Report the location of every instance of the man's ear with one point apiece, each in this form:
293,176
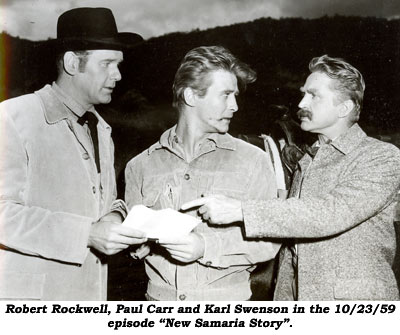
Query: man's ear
190,96
71,63
346,107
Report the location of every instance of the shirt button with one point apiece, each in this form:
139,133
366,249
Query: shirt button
85,156
182,297
208,263
186,176
94,189
97,261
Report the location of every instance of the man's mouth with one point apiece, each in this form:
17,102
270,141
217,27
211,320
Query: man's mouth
304,114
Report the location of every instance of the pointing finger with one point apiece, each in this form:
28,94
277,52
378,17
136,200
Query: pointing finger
195,203
202,210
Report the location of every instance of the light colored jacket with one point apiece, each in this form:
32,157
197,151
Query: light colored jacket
342,221
160,177
48,201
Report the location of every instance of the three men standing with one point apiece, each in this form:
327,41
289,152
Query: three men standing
58,208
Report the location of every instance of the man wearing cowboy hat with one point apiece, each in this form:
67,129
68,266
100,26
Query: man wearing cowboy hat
58,213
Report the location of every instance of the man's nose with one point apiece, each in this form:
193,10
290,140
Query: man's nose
233,104
116,75
303,103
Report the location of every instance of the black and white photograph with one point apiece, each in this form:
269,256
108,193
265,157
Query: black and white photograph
206,153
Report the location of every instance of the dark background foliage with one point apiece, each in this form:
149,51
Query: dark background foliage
279,50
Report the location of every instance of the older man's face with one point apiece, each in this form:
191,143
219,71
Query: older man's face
215,110
320,105
96,82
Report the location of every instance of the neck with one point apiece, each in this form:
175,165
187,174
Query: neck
190,134
68,87
334,132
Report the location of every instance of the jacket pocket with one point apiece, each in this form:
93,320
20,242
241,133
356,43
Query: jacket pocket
150,199
364,289
21,286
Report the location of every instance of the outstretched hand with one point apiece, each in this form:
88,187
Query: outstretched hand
217,209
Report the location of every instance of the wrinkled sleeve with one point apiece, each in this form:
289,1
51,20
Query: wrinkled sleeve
227,246
31,229
120,207
363,191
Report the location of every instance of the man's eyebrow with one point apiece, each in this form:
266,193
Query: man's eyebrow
110,60
231,91
309,90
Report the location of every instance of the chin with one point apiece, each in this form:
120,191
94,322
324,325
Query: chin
305,125
223,130
105,100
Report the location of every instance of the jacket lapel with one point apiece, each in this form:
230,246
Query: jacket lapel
55,111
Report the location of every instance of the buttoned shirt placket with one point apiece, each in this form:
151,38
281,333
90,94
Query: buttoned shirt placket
82,133
183,274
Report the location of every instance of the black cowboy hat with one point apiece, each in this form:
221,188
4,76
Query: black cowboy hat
90,29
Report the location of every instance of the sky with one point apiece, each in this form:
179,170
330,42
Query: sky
37,19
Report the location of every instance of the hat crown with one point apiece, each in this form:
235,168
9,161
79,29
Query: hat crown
88,28
87,23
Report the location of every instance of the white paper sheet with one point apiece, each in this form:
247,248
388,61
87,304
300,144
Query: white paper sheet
160,224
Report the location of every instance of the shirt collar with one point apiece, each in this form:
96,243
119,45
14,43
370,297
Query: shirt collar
59,106
73,106
169,137
350,139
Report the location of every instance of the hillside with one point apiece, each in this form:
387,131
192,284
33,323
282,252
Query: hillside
279,50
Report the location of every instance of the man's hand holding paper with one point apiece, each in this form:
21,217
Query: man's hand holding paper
161,224
170,229
185,249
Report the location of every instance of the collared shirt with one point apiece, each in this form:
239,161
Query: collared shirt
161,177
74,111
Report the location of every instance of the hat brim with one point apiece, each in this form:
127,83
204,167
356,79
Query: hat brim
122,42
